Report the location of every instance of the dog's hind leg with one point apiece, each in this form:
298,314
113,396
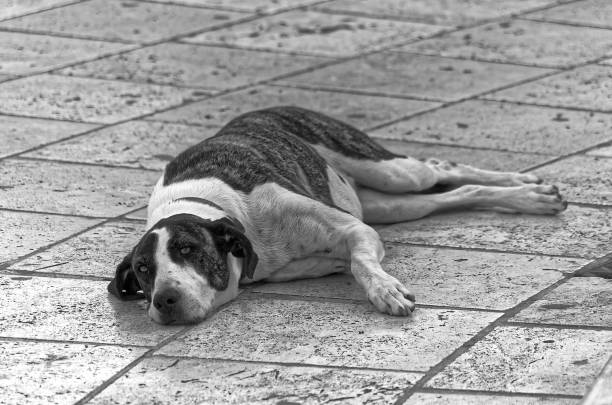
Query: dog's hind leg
529,198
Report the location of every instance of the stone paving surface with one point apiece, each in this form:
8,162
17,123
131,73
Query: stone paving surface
97,96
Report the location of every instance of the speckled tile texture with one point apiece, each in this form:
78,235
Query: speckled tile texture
181,64
97,96
315,33
362,111
408,75
198,381
329,333
522,42
534,360
57,373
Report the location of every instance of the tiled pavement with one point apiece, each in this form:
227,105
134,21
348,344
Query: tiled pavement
97,95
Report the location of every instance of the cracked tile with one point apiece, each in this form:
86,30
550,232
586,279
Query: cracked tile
123,20
447,277
577,232
29,53
12,8
595,13
19,134
93,253
74,189
588,87
329,333
57,373
534,360
169,381
579,301
73,309
520,41
207,67
434,11
360,111
402,74
584,179
25,232
251,6
502,126
481,399
316,33
89,100
138,144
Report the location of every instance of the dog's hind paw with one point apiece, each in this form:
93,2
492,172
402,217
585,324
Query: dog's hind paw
390,296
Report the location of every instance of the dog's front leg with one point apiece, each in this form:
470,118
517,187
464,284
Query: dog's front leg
384,291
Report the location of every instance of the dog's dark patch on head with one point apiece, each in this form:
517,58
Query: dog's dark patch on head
274,145
144,255
204,245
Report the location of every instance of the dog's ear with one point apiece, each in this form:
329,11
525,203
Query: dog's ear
125,285
229,236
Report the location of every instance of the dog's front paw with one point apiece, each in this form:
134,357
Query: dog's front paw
390,296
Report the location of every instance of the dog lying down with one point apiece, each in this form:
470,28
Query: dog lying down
285,193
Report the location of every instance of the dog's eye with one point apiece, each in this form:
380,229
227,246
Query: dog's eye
185,250
142,268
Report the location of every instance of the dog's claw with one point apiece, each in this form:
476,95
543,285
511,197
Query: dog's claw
391,297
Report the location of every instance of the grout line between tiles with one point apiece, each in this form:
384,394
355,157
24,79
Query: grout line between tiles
131,365
24,211
565,22
8,263
36,273
481,335
549,106
428,390
71,342
556,326
249,293
73,162
68,3
567,155
286,364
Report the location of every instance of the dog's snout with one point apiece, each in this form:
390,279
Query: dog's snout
166,300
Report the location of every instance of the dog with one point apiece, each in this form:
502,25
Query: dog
286,193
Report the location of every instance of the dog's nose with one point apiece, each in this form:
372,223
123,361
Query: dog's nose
165,300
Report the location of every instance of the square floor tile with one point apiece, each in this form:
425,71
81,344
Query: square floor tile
89,100
520,41
503,126
329,333
403,74
583,179
139,144
24,232
588,87
251,6
15,8
534,360
579,301
57,373
595,13
433,11
317,33
357,110
165,380
577,232
28,53
19,133
94,253
73,189
207,67
79,310
482,158
457,278
482,399
125,20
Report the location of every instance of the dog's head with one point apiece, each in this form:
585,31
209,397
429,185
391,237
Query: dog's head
185,267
